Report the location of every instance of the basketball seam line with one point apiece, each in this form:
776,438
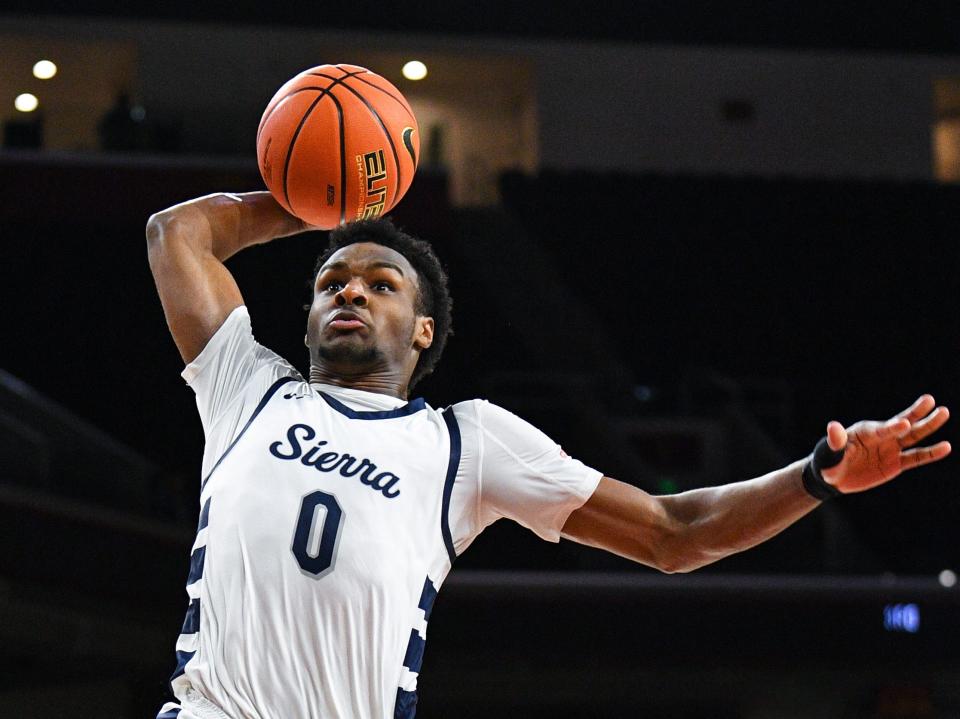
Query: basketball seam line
389,94
343,161
343,169
293,140
273,109
386,133
280,102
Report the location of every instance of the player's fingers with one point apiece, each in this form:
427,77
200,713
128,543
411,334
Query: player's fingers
891,428
870,432
919,409
836,436
924,455
925,427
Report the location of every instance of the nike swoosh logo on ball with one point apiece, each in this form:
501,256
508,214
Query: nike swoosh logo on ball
408,143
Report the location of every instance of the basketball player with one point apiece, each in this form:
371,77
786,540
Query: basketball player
332,507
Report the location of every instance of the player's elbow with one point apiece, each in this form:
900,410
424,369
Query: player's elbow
672,567
681,565
676,562
160,226
170,233
184,222
663,549
681,554
676,548
685,551
156,227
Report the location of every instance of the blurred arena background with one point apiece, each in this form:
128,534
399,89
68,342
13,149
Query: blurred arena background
680,238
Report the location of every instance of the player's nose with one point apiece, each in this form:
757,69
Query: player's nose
352,294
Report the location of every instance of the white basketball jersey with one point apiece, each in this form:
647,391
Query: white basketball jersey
322,542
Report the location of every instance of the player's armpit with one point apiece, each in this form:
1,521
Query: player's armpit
626,521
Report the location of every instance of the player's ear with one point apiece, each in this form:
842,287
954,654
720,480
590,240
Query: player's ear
423,336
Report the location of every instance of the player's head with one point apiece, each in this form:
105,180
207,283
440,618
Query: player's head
380,299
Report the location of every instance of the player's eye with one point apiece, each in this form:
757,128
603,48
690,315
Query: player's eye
334,286
383,286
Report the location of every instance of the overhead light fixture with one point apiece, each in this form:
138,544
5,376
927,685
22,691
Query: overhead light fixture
414,70
44,70
26,102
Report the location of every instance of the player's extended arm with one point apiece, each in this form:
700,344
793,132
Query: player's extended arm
187,244
682,532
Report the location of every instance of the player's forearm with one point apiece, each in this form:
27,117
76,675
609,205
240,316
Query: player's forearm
223,224
715,522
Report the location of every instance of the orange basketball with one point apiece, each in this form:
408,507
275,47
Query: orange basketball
338,143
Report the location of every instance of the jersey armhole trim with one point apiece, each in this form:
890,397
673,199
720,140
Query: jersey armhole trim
454,429
263,403
474,418
481,448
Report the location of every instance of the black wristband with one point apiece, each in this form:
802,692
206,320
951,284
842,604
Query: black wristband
813,481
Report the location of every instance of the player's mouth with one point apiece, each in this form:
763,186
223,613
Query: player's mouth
344,320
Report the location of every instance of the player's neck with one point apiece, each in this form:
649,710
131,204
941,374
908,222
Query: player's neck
379,382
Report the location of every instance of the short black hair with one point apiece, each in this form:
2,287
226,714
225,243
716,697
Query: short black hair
433,295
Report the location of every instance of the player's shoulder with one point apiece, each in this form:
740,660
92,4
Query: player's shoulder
484,413
239,344
466,409
234,368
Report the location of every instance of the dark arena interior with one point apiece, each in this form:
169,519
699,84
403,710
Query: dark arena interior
680,240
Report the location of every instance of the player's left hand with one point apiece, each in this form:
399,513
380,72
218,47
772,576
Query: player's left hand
876,452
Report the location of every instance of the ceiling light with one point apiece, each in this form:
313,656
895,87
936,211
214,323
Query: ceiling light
26,102
44,70
414,70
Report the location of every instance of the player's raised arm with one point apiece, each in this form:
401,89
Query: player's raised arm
682,532
187,244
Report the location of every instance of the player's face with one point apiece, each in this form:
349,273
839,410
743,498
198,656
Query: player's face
363,316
